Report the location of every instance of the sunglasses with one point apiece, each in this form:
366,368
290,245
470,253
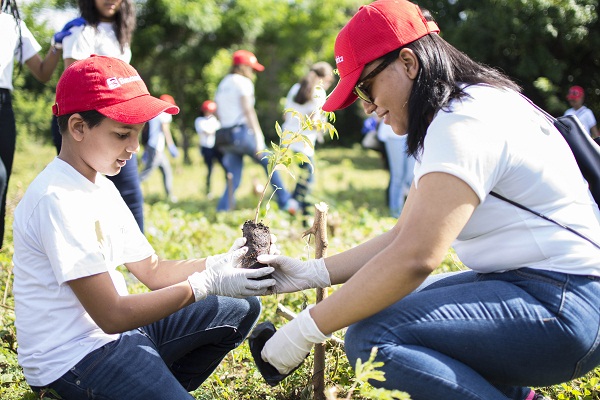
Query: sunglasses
362,87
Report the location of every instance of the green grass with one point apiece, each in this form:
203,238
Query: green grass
351,181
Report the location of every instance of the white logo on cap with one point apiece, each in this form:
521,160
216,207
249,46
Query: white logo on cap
339,59
115,82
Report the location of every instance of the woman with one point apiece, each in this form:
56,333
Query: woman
307,97
528,311
17,42
108,32
235,108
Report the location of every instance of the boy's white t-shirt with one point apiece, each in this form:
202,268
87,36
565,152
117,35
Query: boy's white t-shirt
102,40
292,123
496,141
206,128
229,95
10,50
585,115
65,228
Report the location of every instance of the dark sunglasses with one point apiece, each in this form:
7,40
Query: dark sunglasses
362,87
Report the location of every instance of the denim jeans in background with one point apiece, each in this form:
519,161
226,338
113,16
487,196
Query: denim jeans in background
128,183
8,140
157,159
485,336
234,163
401,173
164,360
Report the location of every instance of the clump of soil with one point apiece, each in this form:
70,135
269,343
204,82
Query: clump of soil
258,240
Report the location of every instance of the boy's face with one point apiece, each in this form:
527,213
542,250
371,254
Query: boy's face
107,147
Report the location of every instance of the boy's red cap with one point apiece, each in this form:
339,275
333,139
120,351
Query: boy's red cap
109,86
375,30
209,105
575,93
244,57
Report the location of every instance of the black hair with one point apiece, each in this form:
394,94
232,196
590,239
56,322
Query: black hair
442,68
91,117
307,85
10,7
125,19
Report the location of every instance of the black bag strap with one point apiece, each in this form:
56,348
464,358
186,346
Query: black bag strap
522,207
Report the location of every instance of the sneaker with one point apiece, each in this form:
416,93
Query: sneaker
292,206
540,397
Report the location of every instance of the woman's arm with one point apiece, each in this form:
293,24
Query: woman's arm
437,212
43,69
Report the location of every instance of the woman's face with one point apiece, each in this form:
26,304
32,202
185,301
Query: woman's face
108,9
390,90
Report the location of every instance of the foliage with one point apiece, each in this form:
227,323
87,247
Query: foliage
281,157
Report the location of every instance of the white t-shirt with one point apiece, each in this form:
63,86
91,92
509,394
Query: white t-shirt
156,136
585,115
10,50
206,128
497,141
229,95
292,123
65,228
86,40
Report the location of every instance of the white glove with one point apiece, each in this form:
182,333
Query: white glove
219,261
290,345
226,279
293,275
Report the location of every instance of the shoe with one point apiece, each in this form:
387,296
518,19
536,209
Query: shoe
292,206
540,397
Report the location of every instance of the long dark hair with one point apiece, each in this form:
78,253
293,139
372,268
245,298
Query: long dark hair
307,85
10,7
124,23
442,68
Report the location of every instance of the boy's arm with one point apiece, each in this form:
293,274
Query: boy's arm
156,273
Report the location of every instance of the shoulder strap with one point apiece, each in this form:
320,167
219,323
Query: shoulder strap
522,207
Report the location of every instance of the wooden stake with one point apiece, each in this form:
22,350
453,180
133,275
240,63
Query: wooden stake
319,230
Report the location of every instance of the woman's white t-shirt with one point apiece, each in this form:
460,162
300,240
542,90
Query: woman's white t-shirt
102,40
229,95
66,228
495,140
10,49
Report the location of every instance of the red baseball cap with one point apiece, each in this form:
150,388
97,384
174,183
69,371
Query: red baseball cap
375,30
244,57
209,105
575,93
168,98
109,86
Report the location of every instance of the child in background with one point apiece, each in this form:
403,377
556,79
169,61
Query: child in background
79,331
206,125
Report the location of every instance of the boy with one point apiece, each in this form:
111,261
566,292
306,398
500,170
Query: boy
79,331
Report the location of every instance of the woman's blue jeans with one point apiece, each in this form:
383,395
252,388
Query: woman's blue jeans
233,164
401,173
485,336
164,360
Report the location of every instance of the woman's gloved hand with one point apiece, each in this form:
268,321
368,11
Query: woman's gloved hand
292,275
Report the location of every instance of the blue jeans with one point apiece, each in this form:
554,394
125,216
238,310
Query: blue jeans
164,360
485,336
304,184
233,164
401,173
128,183
8,140
157,159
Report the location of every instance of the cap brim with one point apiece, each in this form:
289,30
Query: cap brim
258,67
138,110
343,94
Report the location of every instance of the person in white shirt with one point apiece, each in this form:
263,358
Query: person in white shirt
526,314
576,98
206,125
80,332
18,44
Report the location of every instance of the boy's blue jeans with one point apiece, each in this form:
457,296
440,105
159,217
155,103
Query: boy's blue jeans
164,360
485,336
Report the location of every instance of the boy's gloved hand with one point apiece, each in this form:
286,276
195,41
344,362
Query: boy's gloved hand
226,279
290,345
216,261
59,36
292,275
173,151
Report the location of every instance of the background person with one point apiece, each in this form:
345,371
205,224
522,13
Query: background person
576,98
206,125
528,311
235,106
159,137
78,329
17,44
307,97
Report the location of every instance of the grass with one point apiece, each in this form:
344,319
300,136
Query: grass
351,181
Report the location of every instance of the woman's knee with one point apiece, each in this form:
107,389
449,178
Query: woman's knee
359,342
